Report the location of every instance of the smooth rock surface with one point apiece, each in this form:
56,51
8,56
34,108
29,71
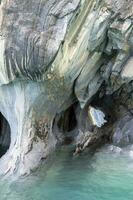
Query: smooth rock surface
124,131
54,53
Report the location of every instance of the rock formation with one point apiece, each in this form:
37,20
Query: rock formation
57,57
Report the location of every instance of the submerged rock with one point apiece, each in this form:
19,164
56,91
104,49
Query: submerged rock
131,154
115,149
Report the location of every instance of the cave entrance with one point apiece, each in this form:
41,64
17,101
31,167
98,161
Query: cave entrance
67,121
5,135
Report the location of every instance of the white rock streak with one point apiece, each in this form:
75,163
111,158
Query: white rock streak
97,117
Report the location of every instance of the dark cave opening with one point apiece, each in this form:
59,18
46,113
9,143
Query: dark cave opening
68,121
105,102
5,135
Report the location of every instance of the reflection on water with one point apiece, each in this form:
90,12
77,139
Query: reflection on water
108,175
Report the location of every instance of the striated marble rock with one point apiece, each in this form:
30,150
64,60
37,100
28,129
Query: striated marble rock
53,54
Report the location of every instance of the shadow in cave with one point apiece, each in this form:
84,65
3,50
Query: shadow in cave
67,121
67,124
5,134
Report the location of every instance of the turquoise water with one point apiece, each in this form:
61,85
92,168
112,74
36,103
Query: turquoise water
104,176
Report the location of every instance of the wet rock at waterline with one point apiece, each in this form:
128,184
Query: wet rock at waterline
57,58
123,134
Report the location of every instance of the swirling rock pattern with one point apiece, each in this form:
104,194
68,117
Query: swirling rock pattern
53,53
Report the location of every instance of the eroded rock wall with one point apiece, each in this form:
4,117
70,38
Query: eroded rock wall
54,53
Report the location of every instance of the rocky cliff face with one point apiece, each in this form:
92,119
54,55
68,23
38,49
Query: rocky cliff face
57,57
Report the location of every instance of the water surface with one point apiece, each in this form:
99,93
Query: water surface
105,176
